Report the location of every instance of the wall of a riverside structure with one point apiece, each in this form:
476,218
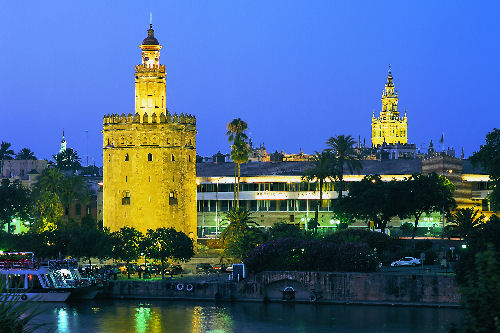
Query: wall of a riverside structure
322,287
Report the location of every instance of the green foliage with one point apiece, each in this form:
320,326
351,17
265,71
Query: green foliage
238,220
6,153
25,154
370,199
344,154
240,245
482,292
286,230
163,243
423,194
374,239
90,170
315,254
465,220
343,226
15,202
489,158
47,210
236,132
17,316
126,244
68,159
407,229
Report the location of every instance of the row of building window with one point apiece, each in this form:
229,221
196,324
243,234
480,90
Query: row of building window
264,205
277,186
150,158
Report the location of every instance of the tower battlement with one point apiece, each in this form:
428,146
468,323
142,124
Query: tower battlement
156,118
145,68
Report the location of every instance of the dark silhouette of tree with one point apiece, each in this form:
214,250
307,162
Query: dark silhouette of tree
239,150
163,243
489,158
25,154
320,169
466,220
126,245
342,148
68,160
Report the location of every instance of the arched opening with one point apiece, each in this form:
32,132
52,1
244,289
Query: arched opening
150,157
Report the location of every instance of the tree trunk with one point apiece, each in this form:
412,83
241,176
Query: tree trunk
238,189
417,217
128,269
162,270
234,189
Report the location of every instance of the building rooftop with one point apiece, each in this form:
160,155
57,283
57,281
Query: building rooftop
370,167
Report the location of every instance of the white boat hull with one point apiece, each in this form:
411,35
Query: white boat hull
51,296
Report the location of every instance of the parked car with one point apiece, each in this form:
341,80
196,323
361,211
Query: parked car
204,268
173,270
406,261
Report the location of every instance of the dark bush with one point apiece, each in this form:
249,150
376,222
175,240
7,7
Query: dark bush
286,230
375,240
406,229
343,226
312,255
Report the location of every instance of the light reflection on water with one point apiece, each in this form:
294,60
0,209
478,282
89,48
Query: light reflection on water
168,316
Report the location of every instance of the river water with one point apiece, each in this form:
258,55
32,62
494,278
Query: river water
175,316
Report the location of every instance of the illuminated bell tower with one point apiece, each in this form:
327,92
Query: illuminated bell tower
149,156
389,127
150,81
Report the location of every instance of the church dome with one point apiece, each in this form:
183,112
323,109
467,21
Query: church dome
150,40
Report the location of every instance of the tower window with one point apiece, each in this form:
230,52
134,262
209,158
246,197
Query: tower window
189,158
126,157
126,198
109,157
173,158
172,200
126,178
150,157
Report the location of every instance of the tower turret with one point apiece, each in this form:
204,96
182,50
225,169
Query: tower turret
150,79
389,128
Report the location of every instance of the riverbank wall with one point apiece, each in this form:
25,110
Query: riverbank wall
290,286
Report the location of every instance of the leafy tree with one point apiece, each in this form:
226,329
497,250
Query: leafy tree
86,242
163,243
370,199
14,202
489,158
47,210
320,169
126,245
286,230
424,194
67,159
481,293
241,244
466,219
73,188
342,148
239,148
25,154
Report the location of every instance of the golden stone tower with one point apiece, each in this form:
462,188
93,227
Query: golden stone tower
149,158
389,127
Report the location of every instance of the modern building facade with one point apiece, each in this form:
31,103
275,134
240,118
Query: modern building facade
149,158
274,192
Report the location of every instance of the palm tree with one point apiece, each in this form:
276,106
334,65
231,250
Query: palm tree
67,159
50,180
5,153
73,188
466,220
321,168
238,221
236,134
25,154
342,148
239,155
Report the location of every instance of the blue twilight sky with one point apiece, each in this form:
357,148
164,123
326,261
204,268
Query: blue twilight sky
297,71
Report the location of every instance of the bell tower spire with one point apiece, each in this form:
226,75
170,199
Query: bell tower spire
150,80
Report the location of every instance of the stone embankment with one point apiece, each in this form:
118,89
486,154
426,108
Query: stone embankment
320,287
